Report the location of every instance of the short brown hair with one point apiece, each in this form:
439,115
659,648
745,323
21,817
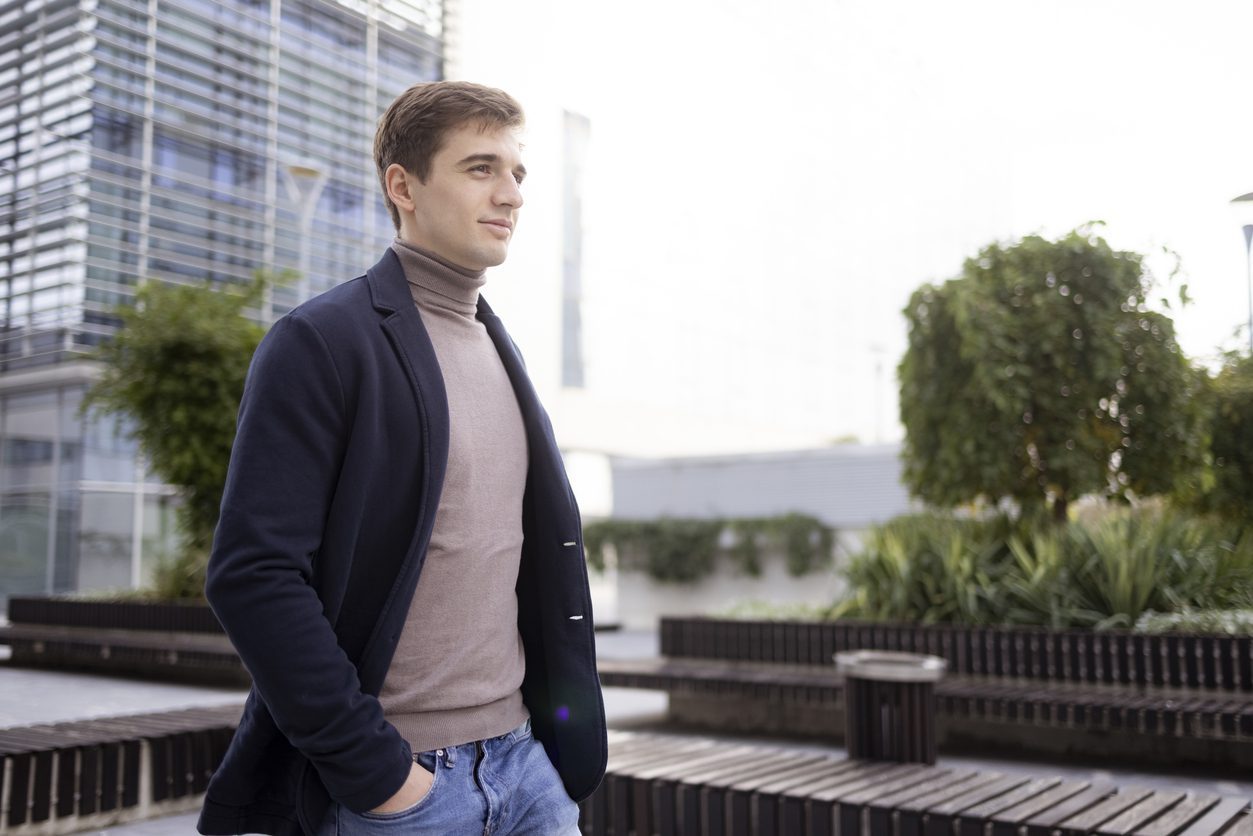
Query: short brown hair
412,130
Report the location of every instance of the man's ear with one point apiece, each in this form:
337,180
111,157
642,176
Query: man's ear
398,187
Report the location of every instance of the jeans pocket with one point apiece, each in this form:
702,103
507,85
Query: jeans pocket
431,764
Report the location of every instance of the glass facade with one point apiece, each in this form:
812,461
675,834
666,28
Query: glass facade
161,140
76,511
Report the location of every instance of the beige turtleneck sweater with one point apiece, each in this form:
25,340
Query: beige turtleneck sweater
458,667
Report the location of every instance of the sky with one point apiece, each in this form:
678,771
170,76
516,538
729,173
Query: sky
768,183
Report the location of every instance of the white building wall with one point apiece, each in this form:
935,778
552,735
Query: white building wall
658,372
849,487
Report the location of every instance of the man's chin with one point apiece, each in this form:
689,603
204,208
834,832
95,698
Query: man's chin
494,259
479,260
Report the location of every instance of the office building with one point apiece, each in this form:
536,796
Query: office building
177,140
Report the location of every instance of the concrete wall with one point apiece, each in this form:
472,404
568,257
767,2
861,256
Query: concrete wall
640,601
850,487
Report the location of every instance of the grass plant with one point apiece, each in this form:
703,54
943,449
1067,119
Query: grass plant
1105,570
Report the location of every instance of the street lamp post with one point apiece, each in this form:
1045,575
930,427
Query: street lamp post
1248,267
1246,201
304,186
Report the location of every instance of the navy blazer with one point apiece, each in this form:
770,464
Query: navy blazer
334,480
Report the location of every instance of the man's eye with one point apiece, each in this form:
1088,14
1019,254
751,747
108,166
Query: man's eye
519,178
485,168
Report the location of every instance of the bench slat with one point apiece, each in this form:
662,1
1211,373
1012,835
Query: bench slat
1092,818
19,786
1219,817
664,792
823,807
910,814
853,809
741,794
1179,816
620,800
110,773
1030,789
1141,814
67,788
941,820
704,791
129,786
794,803
880,811
41,793
89,780
159,750
1008,821
641,791
766,807
1243,827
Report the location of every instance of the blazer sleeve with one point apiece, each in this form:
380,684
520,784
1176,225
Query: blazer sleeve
290,438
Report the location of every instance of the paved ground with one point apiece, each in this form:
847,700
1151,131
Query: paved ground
37,696
31,696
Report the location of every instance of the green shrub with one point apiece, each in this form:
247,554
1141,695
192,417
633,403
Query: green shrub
930,568
685,550
1228,488
1160,561
1040,587
805,542
1102,572
1220,622
770,611
176,368
179,576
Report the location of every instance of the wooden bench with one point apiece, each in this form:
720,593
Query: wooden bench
169,642
1219,663
673,785
67,777
1092,708
169,657
1008,688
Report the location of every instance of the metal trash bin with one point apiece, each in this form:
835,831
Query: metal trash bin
889,704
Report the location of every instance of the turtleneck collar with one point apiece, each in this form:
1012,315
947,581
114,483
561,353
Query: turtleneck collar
437,281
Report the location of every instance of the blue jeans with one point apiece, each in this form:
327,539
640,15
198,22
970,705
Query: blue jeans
502,785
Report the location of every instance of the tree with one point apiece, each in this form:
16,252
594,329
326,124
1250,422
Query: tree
1229,490
176,368
1040,375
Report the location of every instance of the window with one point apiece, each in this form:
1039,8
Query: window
322,26
117,132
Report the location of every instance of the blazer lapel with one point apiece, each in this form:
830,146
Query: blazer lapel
515,367
539,430
409,339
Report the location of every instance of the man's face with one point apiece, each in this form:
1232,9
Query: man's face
466,210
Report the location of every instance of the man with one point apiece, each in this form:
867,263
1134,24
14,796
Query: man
399,559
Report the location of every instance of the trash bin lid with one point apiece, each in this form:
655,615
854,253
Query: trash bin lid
891,666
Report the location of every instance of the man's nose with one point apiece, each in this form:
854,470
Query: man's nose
509,193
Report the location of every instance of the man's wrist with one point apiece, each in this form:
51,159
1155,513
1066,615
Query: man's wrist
417,784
